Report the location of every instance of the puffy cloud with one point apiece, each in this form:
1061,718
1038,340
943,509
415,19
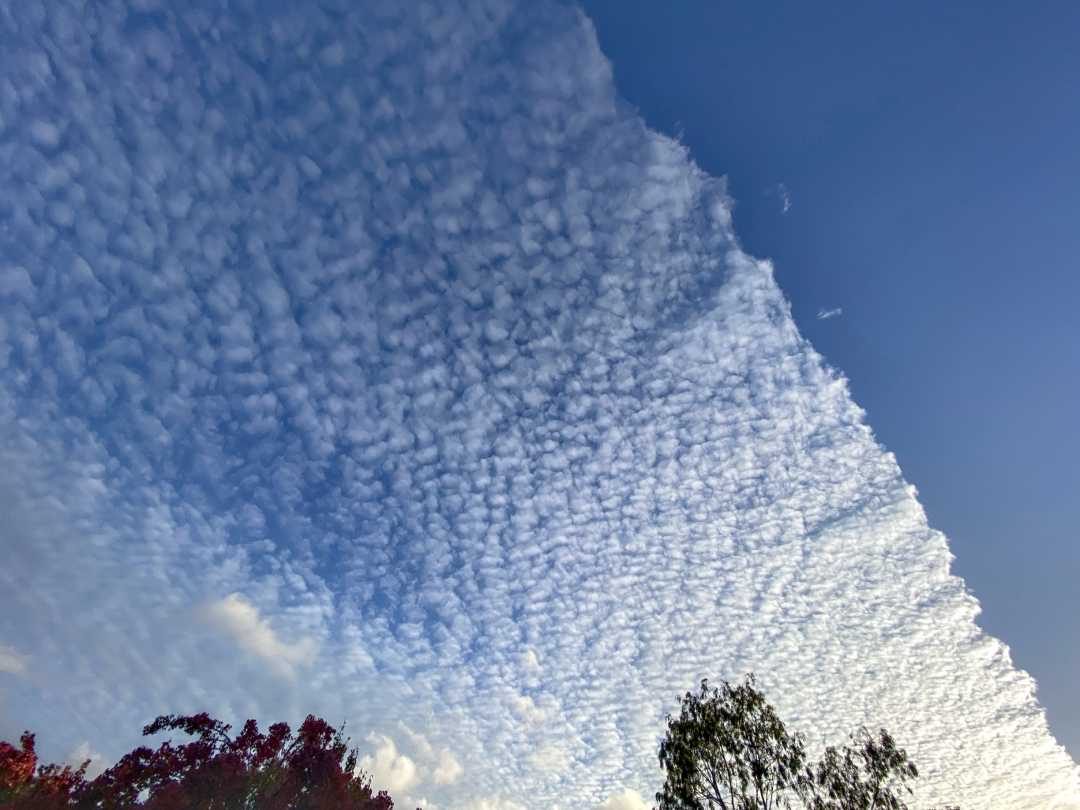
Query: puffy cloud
240,619
550,759
625,800
84,753
388,768
493,803
530,662
401,326
527,710
447,770
444,767
12,661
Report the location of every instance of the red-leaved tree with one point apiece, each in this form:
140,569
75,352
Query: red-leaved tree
25,784
313,769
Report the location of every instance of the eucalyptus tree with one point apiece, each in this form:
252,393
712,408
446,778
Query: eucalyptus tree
728,749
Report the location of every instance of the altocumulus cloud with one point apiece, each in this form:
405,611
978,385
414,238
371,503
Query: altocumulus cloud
393,321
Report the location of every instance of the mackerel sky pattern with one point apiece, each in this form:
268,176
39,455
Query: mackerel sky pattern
374,359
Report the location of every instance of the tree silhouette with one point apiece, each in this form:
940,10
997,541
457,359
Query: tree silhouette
313,769
729,750
873,775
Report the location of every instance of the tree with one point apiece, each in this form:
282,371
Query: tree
25,784
729,750
311,770
871,776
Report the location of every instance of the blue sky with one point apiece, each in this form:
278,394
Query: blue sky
929,156
386,365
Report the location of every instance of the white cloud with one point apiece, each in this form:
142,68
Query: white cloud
493,803
825,314
388,768
420,743
550,759
625,800
785,197
444,767
448,770
12,661
782,194
83,752
527,710
241,621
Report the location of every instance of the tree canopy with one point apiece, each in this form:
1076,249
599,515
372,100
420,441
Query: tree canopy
729,750
313,769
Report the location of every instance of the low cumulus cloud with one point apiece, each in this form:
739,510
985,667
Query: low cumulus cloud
83,754
388,768
447,770
443,767
625,800
240,620
400,336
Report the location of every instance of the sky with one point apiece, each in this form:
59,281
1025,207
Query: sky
927,155
385,364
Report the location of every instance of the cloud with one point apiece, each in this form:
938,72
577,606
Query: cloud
527,710
783,194
400,329
493,803
825,314
82,753
625,800
550,759
240,620
444,767
448,770
389,769
12,661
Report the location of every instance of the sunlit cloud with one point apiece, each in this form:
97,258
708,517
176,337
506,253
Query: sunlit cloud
388,768
84,754
240,620
625,800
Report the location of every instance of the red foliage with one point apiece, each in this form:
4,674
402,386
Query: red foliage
311,770
28,786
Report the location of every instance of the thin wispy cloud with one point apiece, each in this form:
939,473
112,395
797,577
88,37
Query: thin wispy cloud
782,194
393,338
825,314
12,661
